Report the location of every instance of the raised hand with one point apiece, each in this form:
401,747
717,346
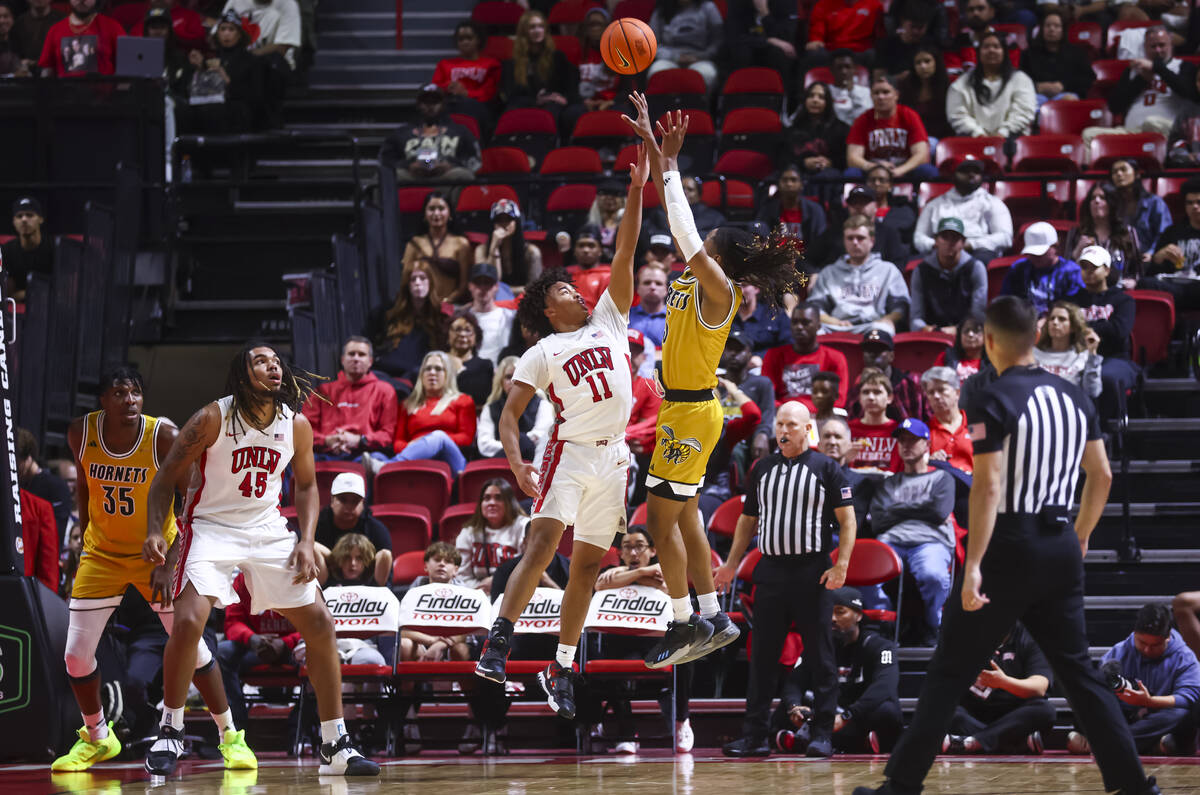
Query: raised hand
639,171
641,126
673,133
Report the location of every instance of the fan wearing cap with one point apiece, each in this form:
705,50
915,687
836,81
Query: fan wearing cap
1109,312
878,351
347,513
643,418
949,283
868,719
187,24
517,261
1042,276
590,276
860,291
434,148
660,250
986,222
30,251
791,368
494,321
889,243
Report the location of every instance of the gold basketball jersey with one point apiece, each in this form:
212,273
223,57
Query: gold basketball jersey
691,348
119,490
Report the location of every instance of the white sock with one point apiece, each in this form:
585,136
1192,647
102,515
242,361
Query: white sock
172,718
565,656
682,607
96,726
708,604
331,730
224,722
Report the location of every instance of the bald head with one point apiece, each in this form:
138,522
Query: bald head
792,422
835,440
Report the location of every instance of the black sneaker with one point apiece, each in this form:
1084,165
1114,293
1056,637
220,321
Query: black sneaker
162,762
343,759
559,684
820,747
494,658
724,633
747,746
680,639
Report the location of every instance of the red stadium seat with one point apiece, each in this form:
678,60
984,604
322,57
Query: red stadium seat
874,563
752,86
989,149
503,160
423,483
1107,72
850,346
639,516
1026,203
759,129
408,566
931,190
530,129
625,159
915,351
1072,116
1015,35
469,122
602,129
476,473
1089,35
638,9
997,270
822,74
497,16
724,519
408,525
475,204
568,206
1048,152
570,12
1113,36
570,46
411,200
499,47
744,163
1170,190
701,143
573,160
1152,325
453,520
1148,149
672,89
908,270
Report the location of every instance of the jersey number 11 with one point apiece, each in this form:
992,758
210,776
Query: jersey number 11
596,393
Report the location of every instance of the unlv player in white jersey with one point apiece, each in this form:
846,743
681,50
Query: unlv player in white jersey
240,446
582,363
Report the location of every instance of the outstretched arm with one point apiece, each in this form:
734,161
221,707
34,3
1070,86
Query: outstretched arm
620,287
197,435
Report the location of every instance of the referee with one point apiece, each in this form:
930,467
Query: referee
1030,431
792,498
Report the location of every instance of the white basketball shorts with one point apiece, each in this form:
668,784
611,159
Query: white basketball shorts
584,484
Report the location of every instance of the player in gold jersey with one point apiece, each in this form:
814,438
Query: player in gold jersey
700,308
117,450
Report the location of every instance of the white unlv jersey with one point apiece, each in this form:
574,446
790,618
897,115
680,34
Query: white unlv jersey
586,374
236,482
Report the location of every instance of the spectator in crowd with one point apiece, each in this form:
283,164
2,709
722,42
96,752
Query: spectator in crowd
1042,276
462,343
10,59
894,55
850,99
987,224
1146,215
878,352
890,134
791,368
351,562
517,261
890,209
588,274
441,567
707,218
440,242
860,290
1153,91
1067,348
660,249
1100,225
690,34
649,315
280,36
31,28
761,326
736,361
992,97
1157,677
1176,263
817,141
405,330
599,86
534,425
42,482
40,536
1183,143
910,512
186,24
471,79
65,468
872,431
436,421
868,718
83,43
826,386
949,438
605,213
251,640
833,25
889,243
1109,313
1059,69
763,34
30,251
966,355
495,322
978,18
643,417
72,551
223,93
348,514
835,442
492,535
356,412
1006,711
539,75
948,283
924,89
434,148
801,217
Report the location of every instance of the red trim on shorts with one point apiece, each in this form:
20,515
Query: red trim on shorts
549,466
185,528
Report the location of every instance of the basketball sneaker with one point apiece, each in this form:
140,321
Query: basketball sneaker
164,755
685,738
680,638
341,758
236,753
559,683
1078,744
494,658
85,753
724,633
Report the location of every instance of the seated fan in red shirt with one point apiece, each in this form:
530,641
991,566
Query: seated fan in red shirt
471,79
890,134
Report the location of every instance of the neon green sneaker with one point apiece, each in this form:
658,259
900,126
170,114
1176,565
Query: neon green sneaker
85,753
238,755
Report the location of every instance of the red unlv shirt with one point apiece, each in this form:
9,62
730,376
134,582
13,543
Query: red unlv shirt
889,139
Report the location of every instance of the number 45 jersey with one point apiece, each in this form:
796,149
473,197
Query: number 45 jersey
586,373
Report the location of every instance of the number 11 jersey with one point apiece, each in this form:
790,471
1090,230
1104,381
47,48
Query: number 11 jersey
586,374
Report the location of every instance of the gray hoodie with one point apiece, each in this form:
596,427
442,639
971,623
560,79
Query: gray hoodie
860,293
914,509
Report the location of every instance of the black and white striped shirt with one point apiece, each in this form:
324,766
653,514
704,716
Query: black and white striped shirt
1041,423
794,500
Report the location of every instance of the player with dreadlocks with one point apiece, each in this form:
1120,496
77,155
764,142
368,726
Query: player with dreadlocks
240,446
701,305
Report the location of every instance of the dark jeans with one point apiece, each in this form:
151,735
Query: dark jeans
1149,730
1117,376
1001,730
885,720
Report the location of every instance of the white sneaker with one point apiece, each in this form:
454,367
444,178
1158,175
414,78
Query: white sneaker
684,737
626,748
341,758
1078,744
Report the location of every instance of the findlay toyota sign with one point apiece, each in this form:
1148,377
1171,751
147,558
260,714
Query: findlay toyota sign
363,609
634,610
542,614
446,609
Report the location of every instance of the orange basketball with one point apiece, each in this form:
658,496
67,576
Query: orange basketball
628,46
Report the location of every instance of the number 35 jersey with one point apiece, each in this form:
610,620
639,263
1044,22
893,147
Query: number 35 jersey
237,481
118,487
586,374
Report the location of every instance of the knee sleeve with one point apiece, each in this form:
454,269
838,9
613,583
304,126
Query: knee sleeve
204,655
83,636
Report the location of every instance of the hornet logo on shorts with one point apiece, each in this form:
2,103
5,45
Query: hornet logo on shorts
676,451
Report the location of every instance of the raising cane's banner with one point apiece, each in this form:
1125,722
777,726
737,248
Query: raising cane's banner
543,613
632,610
362,610
439,609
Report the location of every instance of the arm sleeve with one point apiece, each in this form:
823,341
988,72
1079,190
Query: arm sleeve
464,410
1022,108
883,672
959,108
999,224
916,317
384,429
923,231
485,436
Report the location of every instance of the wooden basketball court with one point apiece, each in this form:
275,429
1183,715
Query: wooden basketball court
656,772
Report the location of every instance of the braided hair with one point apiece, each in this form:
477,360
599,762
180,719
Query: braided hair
124,373
531,312
768,263
294,388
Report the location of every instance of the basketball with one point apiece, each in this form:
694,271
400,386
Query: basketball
628,46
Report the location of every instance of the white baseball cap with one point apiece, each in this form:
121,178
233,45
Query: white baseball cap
349,483
1039,237
1097,256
